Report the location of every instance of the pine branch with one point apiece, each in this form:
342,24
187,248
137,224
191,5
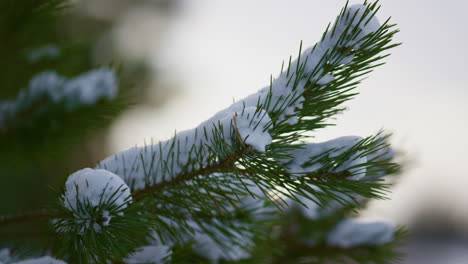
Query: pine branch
227,164
24,217
236,176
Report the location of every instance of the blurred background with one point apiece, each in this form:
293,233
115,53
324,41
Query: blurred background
191,58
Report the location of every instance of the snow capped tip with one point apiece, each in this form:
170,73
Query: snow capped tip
369,23
361,232
95,187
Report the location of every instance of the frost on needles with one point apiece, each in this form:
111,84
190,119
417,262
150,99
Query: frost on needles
245,177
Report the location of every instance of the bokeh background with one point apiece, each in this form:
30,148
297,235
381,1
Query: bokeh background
194,57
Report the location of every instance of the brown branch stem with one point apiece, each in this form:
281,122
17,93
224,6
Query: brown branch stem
226,164
24,217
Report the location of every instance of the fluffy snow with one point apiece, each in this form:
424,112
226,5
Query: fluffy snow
85,89
354,15
251,128
95,187
151,164
140,166
359,232
332,148
41,260
44,84
88,88
149,254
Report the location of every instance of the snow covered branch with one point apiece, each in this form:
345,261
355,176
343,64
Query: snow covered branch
48,90
218,189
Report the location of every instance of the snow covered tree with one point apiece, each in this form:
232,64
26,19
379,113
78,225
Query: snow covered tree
248,185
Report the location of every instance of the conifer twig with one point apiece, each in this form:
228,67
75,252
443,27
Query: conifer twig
25,217
226,164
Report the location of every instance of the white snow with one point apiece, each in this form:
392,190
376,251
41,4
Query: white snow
149,254
95,187
354,15
88,88
44,84
361,232
139,166
332,148
85,89
41,260
251,126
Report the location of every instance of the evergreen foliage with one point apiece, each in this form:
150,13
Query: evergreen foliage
245,186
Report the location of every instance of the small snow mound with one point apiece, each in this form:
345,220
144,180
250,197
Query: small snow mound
95,187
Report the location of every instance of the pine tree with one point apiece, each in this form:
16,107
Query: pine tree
248,185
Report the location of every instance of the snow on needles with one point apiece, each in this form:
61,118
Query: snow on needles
95,188
150,254
359,232
49,88
308,159
88,88
355,16
167,159
246,122
85,89
190,149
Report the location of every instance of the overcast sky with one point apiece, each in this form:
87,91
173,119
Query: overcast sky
220,50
